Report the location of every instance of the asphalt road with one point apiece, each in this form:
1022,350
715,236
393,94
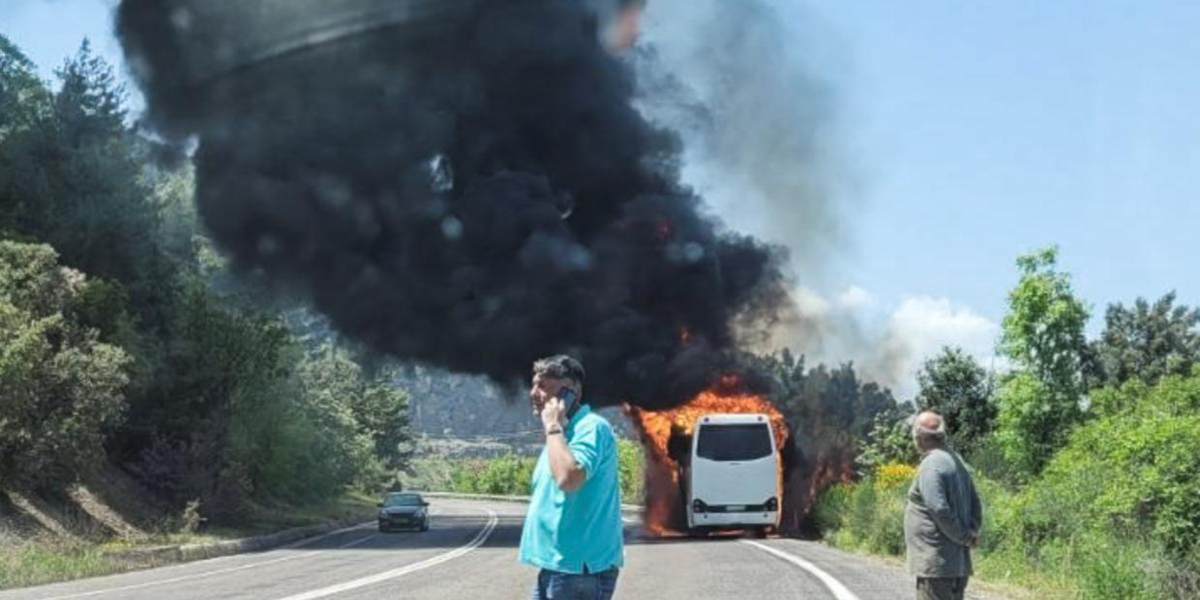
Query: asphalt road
470,552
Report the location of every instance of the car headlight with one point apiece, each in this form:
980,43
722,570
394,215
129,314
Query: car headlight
699,506
773,504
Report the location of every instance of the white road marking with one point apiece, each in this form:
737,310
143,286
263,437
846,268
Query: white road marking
834,586
157,582
475,542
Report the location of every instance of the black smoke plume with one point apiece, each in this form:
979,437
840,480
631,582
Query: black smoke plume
462,183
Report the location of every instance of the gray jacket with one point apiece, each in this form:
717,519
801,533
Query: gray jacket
943,507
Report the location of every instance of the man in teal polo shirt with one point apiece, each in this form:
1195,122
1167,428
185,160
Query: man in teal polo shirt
573,531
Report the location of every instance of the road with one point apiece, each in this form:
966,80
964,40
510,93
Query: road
470,552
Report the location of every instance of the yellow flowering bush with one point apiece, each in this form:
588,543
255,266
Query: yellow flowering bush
892,475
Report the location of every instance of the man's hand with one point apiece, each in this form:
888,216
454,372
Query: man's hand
567,472
973,539
554,415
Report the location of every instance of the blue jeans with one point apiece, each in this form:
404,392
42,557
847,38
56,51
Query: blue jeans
552,585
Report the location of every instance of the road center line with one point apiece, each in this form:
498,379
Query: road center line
253,565
475,542
834,586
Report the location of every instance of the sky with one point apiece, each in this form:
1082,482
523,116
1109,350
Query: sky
978,131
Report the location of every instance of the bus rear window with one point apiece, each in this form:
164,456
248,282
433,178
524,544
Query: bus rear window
734,442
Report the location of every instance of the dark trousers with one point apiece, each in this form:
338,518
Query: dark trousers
552,585
941,588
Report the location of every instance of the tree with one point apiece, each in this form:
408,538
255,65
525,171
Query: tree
890,441
1043,337
366,418
955,386
215,395
382,413
834,402
1147,342
72,175
61,390
22,94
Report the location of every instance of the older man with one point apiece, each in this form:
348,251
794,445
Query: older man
943,517
573,531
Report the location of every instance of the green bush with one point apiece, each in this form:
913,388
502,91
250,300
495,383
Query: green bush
831,508
61,390
505,475
1111,568
1137,470
631,462
868,515
1117,510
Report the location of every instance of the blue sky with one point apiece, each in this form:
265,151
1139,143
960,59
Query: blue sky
993,128
980,131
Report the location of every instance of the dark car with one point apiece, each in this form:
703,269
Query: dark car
403,511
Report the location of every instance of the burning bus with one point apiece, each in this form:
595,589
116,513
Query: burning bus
713,463
730,478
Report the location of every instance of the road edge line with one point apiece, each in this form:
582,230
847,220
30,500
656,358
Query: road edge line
835,587
478,540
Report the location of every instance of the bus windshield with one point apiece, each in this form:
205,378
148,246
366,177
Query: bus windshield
725,443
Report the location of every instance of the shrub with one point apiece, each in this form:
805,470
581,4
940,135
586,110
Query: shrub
894,475
61,390
868,515
890,441
631,459
832,507
505,475
1113,569
1116,511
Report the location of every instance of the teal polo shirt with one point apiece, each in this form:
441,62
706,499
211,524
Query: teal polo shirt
570,532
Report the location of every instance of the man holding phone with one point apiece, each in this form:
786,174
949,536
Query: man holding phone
573,530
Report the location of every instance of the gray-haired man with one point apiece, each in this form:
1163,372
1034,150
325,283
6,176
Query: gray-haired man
943,516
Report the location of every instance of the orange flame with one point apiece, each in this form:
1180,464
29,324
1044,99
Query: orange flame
663,501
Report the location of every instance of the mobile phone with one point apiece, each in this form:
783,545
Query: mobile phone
570,399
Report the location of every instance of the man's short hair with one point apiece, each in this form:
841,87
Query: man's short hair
937,435
560,366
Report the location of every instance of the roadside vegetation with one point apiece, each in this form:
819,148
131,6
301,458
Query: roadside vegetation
1085,453
126,348
47,558
512,475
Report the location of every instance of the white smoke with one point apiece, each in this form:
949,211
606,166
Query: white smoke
888,344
